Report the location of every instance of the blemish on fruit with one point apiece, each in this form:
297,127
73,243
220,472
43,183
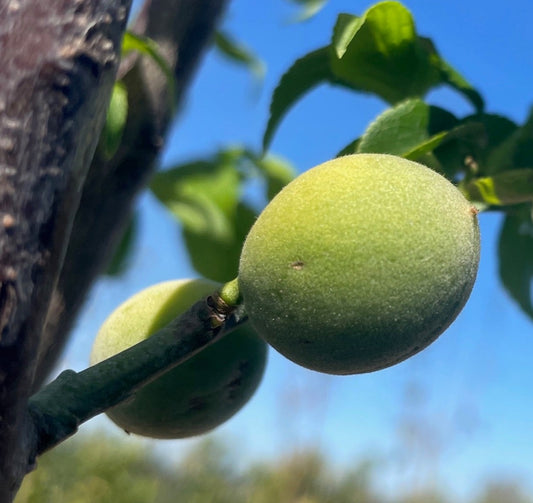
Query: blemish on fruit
298,265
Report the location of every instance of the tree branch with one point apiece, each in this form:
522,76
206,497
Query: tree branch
60,407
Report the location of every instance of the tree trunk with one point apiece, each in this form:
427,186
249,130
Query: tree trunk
58,62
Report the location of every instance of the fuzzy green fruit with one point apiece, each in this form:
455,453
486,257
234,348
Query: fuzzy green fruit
359,263
201,393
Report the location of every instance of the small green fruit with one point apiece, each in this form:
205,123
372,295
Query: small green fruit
201,393
359,263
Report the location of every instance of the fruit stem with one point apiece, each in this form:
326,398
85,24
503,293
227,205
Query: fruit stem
230,293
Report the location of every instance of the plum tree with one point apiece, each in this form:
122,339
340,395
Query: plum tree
373,270
200,393
359,263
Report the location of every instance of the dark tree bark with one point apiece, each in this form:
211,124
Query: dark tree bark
182,30
58,61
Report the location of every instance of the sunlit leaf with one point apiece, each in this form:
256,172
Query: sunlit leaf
304,74
117,113
409,129
516,258
380,52
238,53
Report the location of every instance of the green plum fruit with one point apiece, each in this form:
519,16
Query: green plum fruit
197,395
359,263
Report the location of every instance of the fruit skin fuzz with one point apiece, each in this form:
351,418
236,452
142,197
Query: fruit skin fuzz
359,263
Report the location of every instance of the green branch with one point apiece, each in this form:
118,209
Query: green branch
73,398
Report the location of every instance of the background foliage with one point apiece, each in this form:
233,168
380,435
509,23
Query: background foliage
97,468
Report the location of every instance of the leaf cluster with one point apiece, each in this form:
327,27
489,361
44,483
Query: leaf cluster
488,156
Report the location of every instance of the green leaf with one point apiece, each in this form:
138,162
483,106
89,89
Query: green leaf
378,52
516,258
502,189
458,152
205,197
381,53
122,256
277,173
238,53
455,80
144,45
515,148
306,73
351,148
117,113
308,9
218,259
410,129
424,133
202,195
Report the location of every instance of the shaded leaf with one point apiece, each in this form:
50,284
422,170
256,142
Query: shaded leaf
515,251
238,53
304,74
515,148
148,47
453,78
122,256
117,113
218,259
502,189
459,150
426,146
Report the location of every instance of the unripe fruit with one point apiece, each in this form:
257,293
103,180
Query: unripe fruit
199,394
359,263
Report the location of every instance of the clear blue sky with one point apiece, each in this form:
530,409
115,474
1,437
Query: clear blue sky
455,415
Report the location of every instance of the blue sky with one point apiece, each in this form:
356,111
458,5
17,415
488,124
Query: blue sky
455,415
